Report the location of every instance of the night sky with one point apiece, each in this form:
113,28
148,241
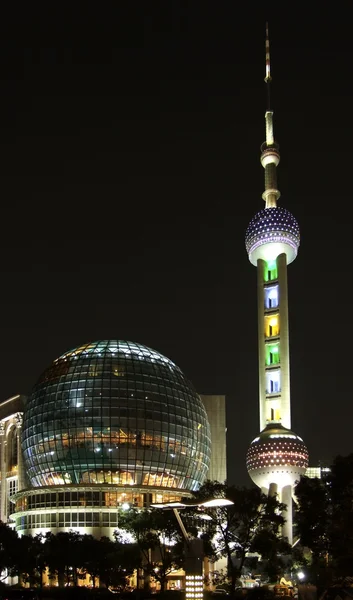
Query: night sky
129,147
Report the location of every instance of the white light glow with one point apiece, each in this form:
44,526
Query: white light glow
269,248
217,502
126,537
280,435
204,517
168,505
193,587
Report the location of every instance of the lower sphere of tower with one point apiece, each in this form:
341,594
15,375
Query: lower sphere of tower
277,456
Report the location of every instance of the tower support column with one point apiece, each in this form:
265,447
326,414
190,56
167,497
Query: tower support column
287,529
261,344
283,318
273,489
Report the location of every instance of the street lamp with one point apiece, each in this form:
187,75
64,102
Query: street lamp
193,546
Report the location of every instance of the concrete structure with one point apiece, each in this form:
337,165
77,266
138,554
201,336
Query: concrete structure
106,424
216,412
277,457
11,463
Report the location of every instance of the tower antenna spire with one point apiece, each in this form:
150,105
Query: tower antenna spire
270,149
268,77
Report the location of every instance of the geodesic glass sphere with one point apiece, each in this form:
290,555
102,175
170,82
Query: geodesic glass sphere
119,413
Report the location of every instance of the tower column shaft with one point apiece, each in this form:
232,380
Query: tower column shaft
261,342
273,489
284,340
286,498
271,180
269,127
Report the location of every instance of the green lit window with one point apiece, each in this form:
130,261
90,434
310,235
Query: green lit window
272,354
270,270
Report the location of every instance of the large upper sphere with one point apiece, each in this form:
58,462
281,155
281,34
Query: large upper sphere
271,232
119,413
277,455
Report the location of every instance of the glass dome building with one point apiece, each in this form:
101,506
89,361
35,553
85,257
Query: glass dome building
107,423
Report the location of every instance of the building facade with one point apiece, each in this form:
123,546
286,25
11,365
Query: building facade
277,457
11,463
317,472
215,406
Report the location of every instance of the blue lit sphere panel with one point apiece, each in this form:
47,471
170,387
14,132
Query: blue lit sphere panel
274,224
115,412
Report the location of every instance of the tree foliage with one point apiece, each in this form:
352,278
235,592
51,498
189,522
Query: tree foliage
324,517
250,525
8,550
68,556
157,534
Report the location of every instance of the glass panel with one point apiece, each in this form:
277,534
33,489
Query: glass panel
115,413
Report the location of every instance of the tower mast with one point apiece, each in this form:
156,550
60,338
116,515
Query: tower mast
277,457
270,156
268,68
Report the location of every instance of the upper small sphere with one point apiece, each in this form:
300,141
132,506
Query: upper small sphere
277,455
271,232
115,412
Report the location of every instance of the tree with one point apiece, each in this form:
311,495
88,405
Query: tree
156,532
251,524
324,517
311,517
31,559
64,557
111,562
8,550
93,554
120,561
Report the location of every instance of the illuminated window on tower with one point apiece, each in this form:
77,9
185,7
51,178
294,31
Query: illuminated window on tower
272,354
273,381
270,272
271,296
271,325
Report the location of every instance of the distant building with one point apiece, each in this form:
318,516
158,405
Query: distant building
216,412
316,472
11,472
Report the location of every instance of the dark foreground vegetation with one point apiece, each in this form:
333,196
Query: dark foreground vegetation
103,594
251,525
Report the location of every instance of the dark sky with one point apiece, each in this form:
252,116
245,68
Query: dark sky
129,148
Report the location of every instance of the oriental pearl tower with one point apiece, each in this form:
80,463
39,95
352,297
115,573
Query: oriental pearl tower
277,457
